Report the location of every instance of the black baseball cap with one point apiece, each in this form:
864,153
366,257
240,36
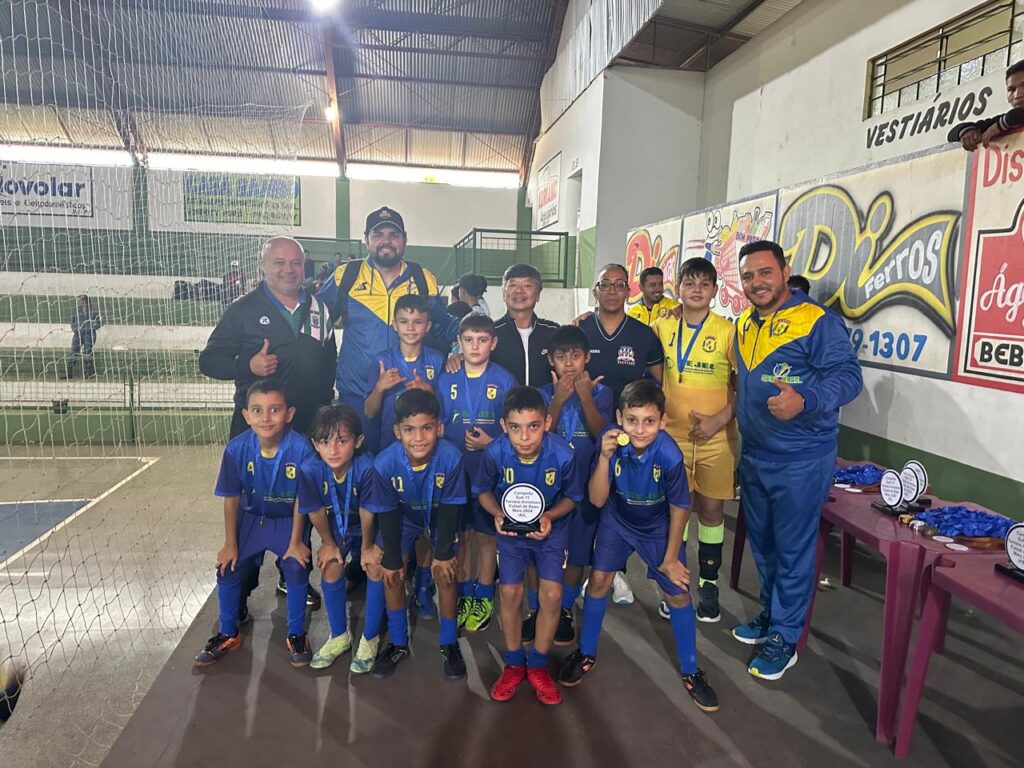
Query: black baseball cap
382,216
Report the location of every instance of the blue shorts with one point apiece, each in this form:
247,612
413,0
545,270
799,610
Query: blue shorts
480,520
582,529
255,539
410,533
353,538
615,543
548,555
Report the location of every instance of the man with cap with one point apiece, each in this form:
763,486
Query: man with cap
362,295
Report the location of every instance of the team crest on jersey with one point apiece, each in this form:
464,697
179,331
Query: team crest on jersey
781,370
549,477
430,372
710,344
492,391
289,471
656,472
626,356
314,321
778,328
439,480
264,320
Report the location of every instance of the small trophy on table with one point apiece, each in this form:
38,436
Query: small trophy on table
1015,552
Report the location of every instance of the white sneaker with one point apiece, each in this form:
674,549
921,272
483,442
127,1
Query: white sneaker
621,592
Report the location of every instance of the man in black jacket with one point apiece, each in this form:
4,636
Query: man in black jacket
279,330
972,135
522,336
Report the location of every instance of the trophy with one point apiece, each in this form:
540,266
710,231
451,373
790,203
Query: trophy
902,491
522,505
1015,552
891,488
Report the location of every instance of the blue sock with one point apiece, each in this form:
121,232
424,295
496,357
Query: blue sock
422,578
684,627
537,660
516,658
398,626
467,588
229,596
296,605
334,602
532,600
449,631
569,595
485,591
593,616
374,608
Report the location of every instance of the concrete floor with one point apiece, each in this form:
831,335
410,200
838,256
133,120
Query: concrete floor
110,611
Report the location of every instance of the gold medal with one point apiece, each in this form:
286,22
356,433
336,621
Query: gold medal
622,439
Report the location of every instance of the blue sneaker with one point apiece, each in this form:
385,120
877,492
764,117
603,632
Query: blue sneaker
753,632
775,657
425,604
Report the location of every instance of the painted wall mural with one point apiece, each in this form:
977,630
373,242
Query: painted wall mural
656,245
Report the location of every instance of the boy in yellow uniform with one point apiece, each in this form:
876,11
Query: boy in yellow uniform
699,363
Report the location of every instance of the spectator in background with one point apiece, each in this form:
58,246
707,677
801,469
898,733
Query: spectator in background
459,309
653,302
801,283
233,283
471,290
85,322
972,135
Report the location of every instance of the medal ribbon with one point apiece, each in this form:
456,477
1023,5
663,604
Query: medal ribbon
342,519
683,357
264,490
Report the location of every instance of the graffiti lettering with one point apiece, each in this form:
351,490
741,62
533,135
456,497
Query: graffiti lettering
1000,296
827,240
1002,166
641,253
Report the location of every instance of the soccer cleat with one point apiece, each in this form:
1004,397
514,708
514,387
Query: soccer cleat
707,606
774,658
366,653
387,661
622,593
754,632
540,680
506,685
530,627
463,610
700,691
565,634
425,604
663,610
454,666
331,650
299,652
313,599
480,614
216,648
574,668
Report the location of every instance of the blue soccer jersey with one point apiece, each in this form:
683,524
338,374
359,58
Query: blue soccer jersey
572,426
319,489
473,401
429,365
643,487
267,485
553,472
416,490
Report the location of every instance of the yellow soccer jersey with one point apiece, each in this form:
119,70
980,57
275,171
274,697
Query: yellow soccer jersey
704,386
659,310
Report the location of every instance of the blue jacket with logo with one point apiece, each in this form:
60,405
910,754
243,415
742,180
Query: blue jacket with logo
806,345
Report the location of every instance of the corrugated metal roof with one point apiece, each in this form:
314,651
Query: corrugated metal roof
764,15
707,13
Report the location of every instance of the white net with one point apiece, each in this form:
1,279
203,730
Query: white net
110,435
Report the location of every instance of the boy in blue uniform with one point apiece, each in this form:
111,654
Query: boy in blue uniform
528,455
639,481
471,399
580,408
423,489
337,492
259,482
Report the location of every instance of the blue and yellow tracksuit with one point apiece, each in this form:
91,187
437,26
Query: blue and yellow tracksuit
786,466
368,331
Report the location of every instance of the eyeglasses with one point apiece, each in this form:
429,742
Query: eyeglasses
612,285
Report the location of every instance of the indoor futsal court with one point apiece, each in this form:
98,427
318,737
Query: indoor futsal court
340,292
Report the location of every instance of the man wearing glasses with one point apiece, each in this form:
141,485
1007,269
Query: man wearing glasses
622,348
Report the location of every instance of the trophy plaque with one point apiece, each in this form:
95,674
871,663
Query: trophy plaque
522,504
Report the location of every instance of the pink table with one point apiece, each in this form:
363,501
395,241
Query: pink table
974,580
909,558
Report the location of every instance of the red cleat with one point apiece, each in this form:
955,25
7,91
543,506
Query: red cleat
541,682
505,688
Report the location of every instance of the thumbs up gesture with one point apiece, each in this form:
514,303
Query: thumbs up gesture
787,404
417,382
263,363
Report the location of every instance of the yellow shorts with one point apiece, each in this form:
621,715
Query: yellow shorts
713,475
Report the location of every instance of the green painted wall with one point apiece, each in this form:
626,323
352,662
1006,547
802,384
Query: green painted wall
587,243
949,479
